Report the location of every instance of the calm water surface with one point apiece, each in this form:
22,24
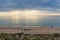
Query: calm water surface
44,21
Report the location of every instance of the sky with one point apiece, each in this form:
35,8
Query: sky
30,11
45,5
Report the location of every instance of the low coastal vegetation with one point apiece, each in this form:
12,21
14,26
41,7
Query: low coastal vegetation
22,36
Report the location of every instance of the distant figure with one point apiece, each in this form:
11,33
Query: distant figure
51,26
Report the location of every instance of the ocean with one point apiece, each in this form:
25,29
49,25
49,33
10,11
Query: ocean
42,21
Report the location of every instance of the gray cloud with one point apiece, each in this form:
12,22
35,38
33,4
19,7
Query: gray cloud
51,5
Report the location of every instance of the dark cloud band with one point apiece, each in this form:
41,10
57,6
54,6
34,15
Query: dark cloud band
29,4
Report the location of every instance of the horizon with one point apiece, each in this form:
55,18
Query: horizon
30,12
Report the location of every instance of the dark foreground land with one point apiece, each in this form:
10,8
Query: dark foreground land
22,36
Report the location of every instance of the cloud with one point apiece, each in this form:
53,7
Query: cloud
45,1
49,5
